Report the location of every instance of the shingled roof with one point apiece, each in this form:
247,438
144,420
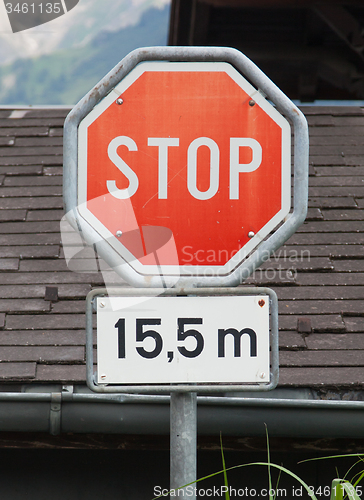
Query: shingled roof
318,275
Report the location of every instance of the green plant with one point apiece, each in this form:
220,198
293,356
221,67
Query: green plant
340,489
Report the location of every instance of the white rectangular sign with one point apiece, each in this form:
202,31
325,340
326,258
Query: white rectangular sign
162,340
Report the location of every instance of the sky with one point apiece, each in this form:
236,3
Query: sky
74,28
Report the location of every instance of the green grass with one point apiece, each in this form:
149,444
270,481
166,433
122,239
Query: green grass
340,488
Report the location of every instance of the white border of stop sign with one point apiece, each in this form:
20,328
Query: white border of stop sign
163,144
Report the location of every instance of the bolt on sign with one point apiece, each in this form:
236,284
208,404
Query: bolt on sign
183,168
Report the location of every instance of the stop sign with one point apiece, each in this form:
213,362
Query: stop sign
184,165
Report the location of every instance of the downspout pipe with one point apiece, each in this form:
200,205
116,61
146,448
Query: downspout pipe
58,412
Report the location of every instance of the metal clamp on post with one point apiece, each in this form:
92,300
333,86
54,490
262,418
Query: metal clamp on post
55,414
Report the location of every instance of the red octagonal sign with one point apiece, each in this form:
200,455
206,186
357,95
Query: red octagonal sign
184,167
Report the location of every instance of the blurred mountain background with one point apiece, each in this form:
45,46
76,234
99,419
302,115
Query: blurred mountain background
59,62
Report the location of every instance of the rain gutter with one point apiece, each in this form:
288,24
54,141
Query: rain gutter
62,410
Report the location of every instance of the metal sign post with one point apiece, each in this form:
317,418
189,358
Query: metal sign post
183,440
222,152
127,318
